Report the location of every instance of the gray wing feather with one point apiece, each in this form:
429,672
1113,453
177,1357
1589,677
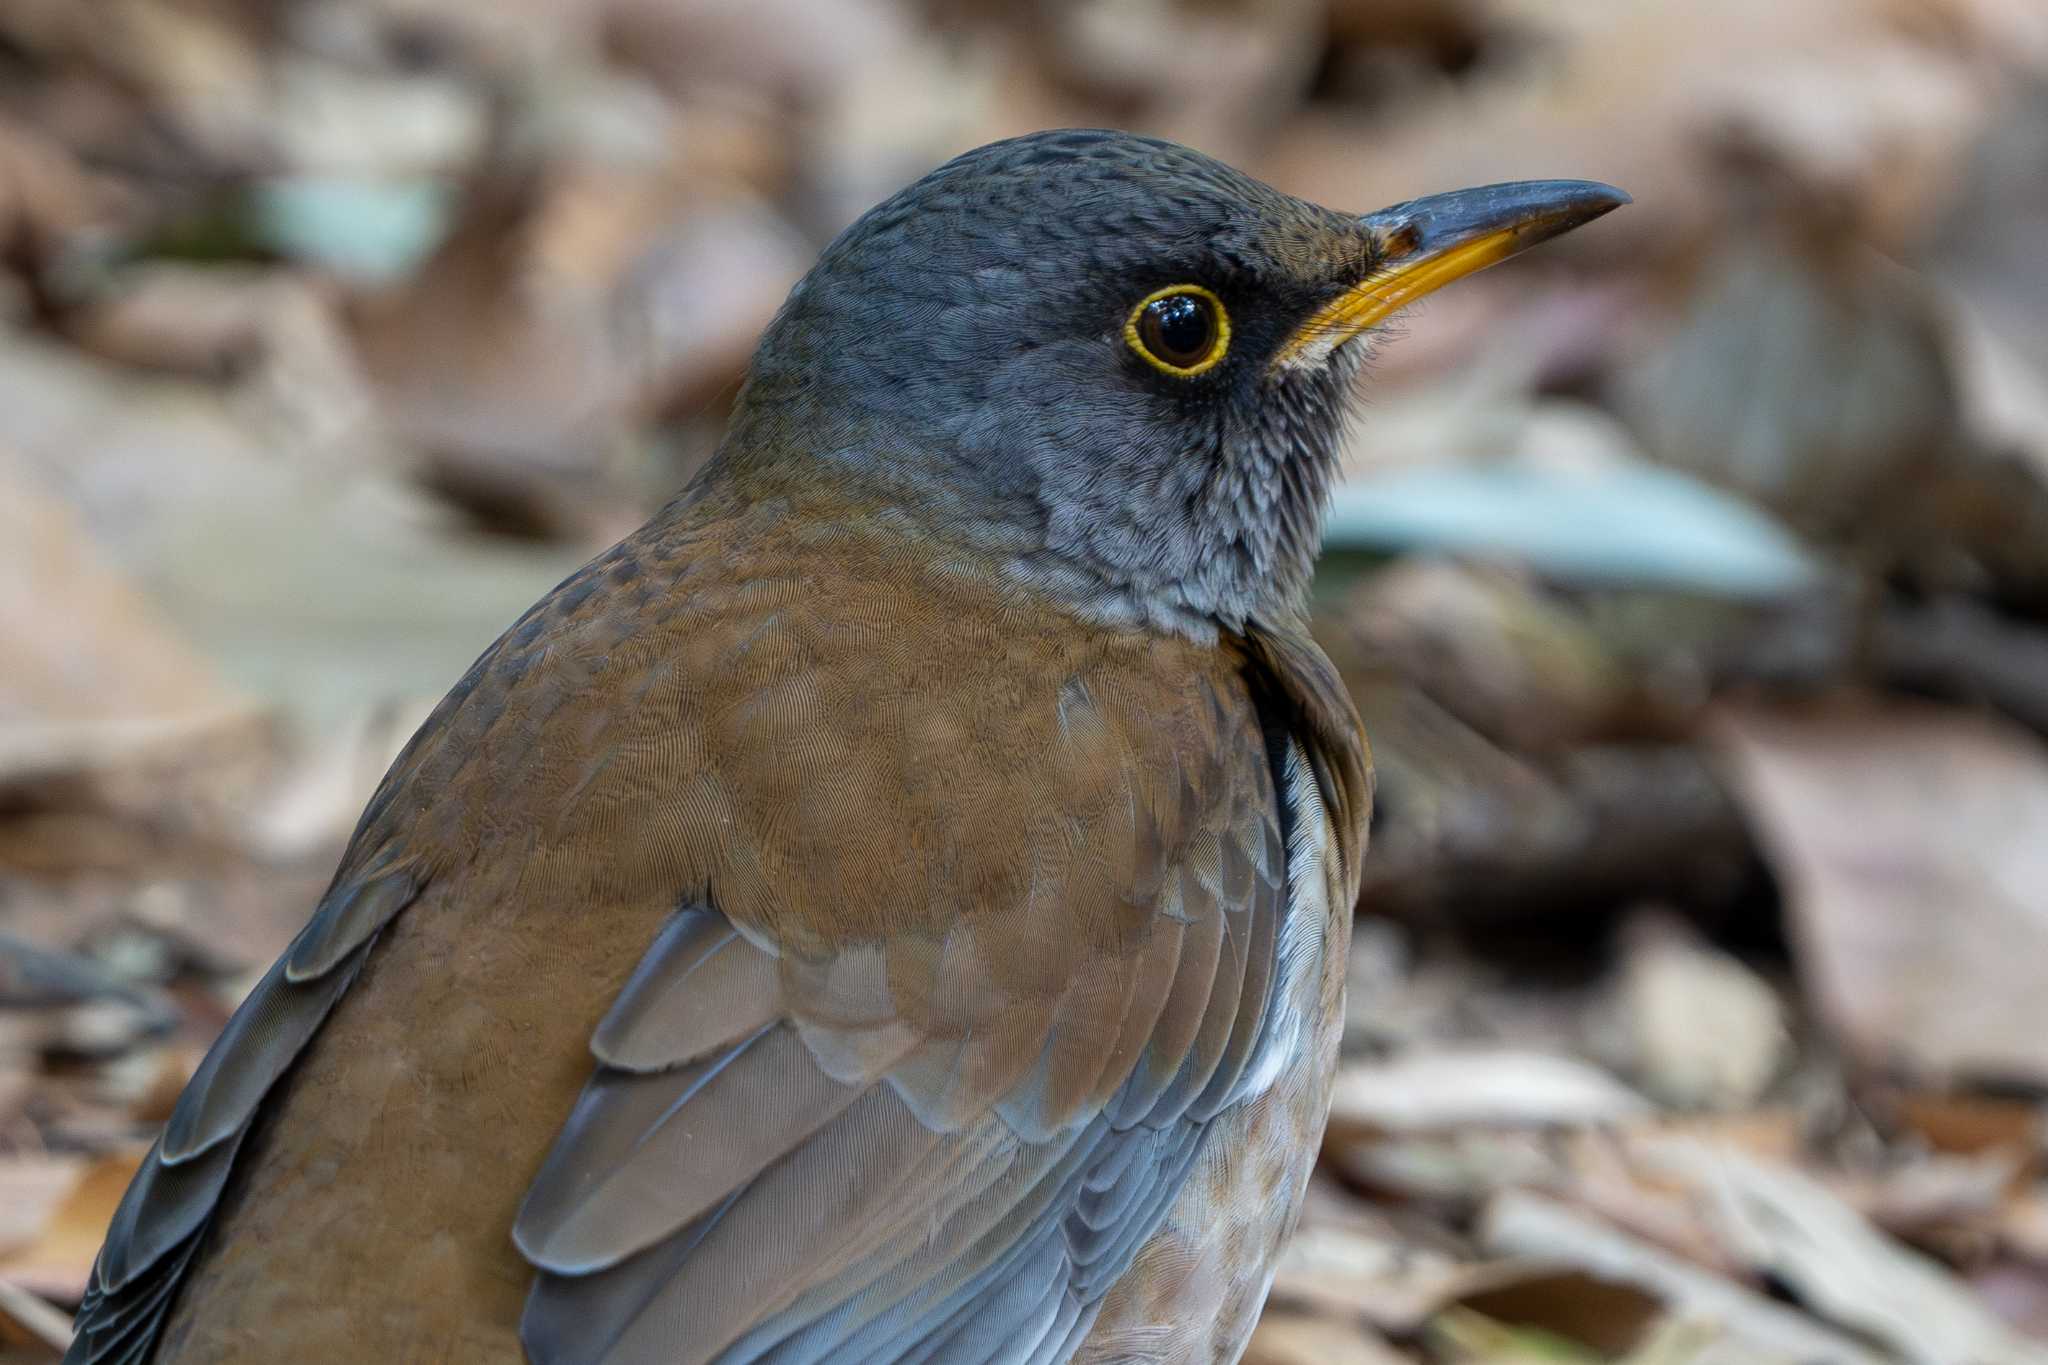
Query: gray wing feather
678,1202
163,1216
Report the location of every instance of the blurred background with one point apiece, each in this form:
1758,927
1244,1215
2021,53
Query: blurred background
1691,576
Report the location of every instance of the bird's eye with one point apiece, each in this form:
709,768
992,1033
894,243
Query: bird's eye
1182,329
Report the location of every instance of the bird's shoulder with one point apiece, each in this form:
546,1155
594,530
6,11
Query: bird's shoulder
768,702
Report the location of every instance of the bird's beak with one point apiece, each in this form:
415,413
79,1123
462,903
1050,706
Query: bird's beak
1424,244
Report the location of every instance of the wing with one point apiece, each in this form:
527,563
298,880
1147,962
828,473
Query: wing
760,1170
159,1225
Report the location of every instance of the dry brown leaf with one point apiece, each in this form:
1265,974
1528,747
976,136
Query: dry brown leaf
1971,1125
1293,1339
1445,1168
31,1188
1908,839
1768,1133
130,797
1968,1162
319,588
1789,1225
57,1261
1518,1223
167,1071
45,195
1937,1198
1984,250
1345,1263
1378,1277
1945,1203
1487,647
30,1329
1427,1090
82,642
1602,1176
1609,1316
1706,1030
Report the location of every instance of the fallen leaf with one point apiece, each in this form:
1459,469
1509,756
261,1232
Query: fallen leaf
1624,524
1432,1090
1768,1133
1292,1339
1605,1316
164,1074
1907,839
46,195
1601,1176
1489,647
57,1261
1695,1341
1375,1276
1464,1337
1518,1223
1936,1200
30,1326
83,643
1452,1167
1971,1125
1706,1031
31,1188
1790,1226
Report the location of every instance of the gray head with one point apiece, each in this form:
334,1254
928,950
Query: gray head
1112,362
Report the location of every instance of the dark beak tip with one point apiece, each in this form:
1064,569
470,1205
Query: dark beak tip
1598,197
1533,210
1550,205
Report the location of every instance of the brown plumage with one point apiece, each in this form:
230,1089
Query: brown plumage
830,926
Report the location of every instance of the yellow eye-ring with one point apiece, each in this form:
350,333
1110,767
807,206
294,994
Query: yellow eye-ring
1182,329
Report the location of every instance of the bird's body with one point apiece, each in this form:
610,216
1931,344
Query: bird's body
906,762
888,908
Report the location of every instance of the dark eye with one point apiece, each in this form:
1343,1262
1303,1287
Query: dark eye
1182,329
1179,329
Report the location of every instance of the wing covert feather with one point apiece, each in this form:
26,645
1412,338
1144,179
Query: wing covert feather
979,1209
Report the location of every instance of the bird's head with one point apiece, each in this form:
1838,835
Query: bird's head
1113,364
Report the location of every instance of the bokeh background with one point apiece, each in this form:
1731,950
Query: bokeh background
1691,575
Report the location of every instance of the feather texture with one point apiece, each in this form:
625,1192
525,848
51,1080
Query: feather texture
693,1188
157,1227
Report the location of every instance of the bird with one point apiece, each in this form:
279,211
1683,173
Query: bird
894,905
